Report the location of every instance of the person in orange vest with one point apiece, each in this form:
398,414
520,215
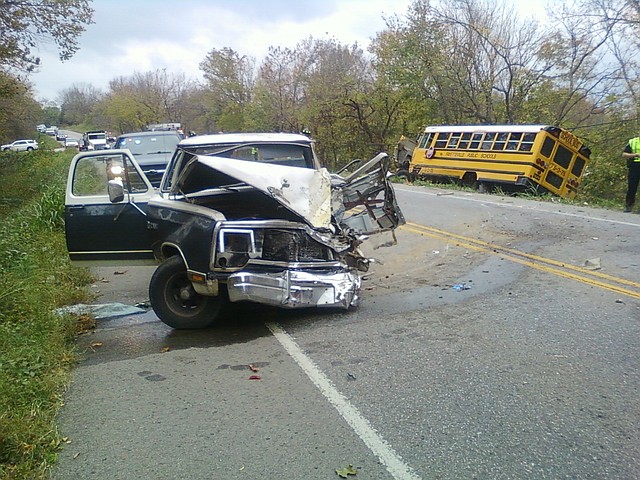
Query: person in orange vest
632,153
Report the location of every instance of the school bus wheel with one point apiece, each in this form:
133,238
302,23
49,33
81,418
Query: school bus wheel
469,179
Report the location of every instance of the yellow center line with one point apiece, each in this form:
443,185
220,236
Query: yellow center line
530,256
533,261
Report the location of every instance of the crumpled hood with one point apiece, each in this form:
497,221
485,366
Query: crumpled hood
304,191
363,203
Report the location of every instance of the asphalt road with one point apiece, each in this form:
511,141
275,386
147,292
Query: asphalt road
485,347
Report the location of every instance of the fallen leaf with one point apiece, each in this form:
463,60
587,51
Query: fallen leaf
120,273
96,344
253,368
164,349
255,377
347,471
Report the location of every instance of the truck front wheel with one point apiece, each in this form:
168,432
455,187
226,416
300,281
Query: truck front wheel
176,302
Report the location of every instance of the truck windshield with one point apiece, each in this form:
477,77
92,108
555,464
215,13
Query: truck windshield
290,155
149,145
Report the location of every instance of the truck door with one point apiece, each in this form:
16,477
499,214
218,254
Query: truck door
99,231
369,200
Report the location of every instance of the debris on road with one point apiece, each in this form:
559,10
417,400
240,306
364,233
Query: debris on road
100,311
345,472
592,264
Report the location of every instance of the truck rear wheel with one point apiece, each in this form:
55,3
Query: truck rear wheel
175,301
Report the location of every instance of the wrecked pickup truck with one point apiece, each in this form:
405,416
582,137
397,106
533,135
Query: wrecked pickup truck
237,217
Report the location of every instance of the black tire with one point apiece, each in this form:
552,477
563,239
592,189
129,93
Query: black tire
176,302
29,149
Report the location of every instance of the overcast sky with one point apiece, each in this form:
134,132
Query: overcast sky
144,35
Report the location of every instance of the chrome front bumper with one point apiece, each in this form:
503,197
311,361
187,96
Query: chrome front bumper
295,288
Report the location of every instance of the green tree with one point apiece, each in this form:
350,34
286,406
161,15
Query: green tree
230,80
50,114
25,23
19,112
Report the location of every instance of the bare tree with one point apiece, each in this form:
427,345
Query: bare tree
144,98
78,102
280,88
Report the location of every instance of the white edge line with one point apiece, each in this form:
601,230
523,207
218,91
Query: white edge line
522,207
385,453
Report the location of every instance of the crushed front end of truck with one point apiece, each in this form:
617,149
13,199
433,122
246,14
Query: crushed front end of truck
297,244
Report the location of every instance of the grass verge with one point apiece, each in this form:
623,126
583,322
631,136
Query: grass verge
37,348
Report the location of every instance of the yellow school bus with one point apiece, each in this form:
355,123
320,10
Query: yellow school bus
515,158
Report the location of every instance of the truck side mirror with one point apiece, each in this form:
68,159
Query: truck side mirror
116,191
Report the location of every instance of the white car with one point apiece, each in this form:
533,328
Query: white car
21,146
71,143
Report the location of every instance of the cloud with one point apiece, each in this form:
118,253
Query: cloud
145,35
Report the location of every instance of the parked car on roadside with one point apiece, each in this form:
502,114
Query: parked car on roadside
52,131
151,149
21,146
41,128
247,217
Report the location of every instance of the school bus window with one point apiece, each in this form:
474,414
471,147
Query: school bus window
563,156
514,140
578,166
501,141
475,140
425,140
554,180
547,147
527,142
453,141
464,141
441,140
488,141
